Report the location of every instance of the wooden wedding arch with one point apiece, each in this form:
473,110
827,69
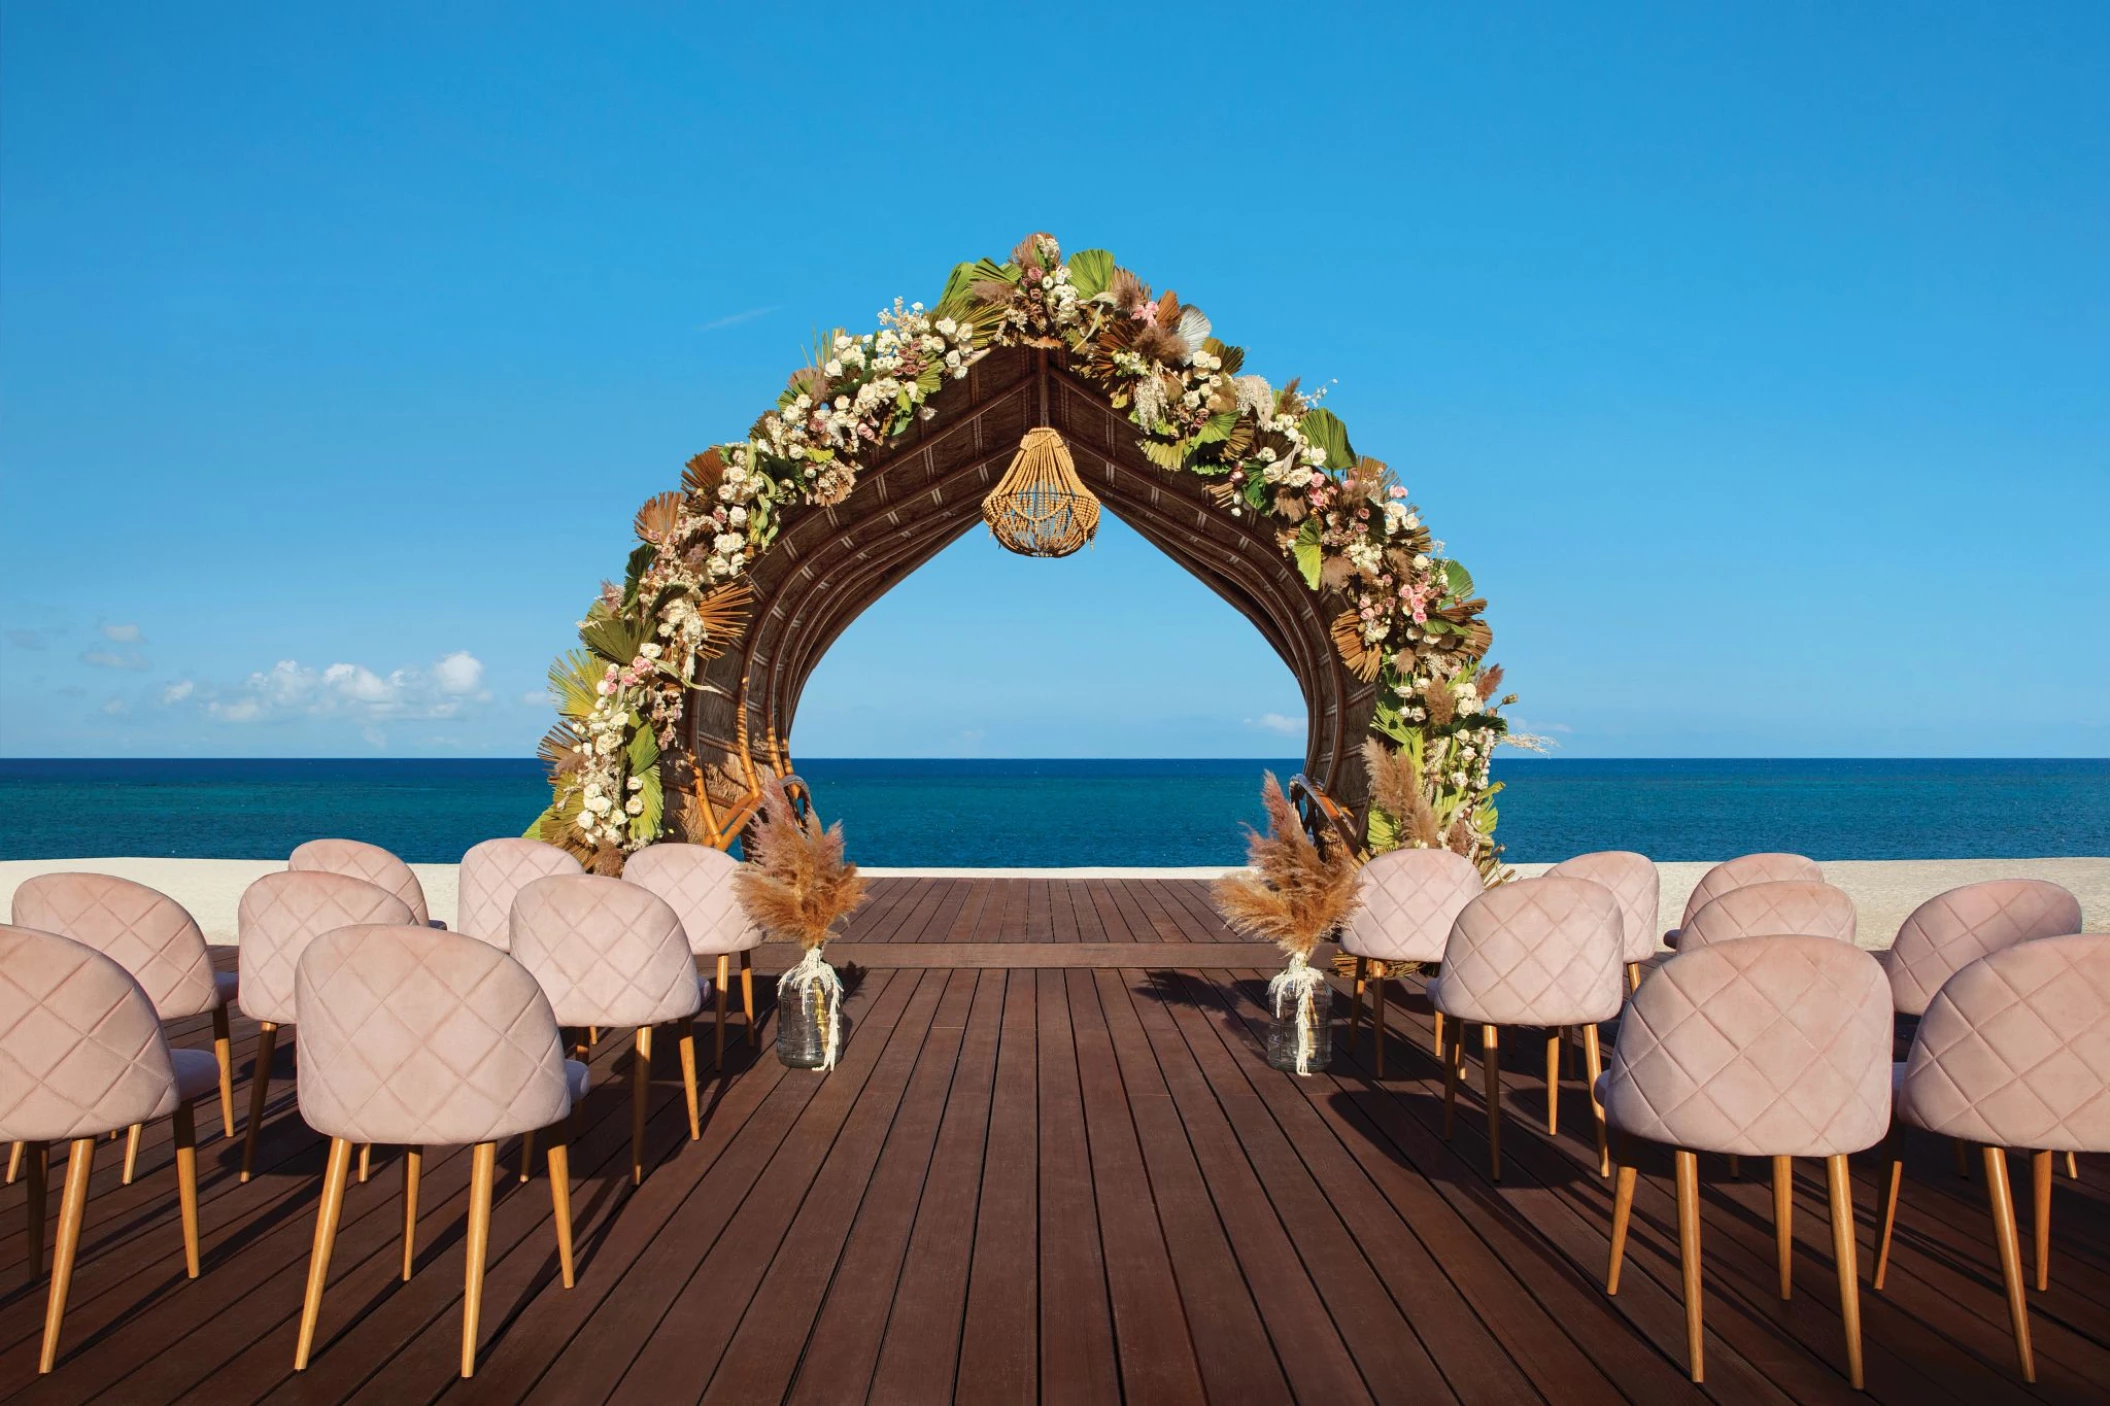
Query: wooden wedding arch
918,495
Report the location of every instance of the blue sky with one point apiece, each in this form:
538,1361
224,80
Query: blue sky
1755,358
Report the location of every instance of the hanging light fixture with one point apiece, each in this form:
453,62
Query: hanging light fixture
1040,508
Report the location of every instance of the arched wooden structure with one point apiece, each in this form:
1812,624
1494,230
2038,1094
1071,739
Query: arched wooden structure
916,496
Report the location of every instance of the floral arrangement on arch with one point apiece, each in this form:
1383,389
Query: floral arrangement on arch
1411,622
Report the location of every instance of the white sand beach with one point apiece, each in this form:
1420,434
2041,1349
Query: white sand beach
1884,891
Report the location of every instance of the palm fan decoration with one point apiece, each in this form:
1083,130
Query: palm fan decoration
1294,893
796,885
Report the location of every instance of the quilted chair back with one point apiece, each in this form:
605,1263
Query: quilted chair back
1407,900
1543,951
1952,930
1784,907
1749,869
81,1049
413,1037
492,876
1778,1048
606,952
143,930
2015,1050
697,883
281,914
359,860
1632,879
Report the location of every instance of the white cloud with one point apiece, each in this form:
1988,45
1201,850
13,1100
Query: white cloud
178,691
290,689
123,634
536,698
1278,722
735,319
459,673
111,659
115,707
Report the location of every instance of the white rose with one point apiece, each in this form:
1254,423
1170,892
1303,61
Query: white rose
634,806
833,368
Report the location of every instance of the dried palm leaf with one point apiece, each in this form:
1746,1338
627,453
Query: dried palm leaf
1294,892
656,519
1362,658
796,883
702,475
723,611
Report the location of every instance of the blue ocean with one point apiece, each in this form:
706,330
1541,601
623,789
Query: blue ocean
1064,813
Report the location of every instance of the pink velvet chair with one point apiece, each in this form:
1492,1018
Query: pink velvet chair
1952,930
1538,952
1735,873
280,914
697,883
1777,1048
1782,907
82,1055
492,876
1633,881
1407,900
2013,1052
151,936
613,955
415,1038
359,860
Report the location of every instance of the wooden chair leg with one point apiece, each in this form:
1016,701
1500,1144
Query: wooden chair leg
1622,1217
80,1161
747,997
413,1168
259,1093
366,1160
1377,1021
38,1156
1436,1042
560,1203
1593,1067
185,1130
1840,1182
334,1176
527,1155
1491,1072
1736,1167
725,969
2003,1203
1554,1039
14,1162
1453,1062
1633,977
2073,1167
1355,1005
1963,1157
1784,1222
2040,1191
1894,1153
640,1095
1688,1164
223,1051
688,1075
483,1170
132,1137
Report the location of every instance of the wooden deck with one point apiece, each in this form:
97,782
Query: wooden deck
1030,1179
